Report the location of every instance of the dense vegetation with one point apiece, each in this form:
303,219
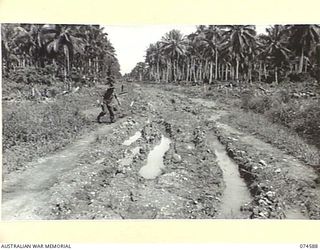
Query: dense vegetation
234,52
276,74
43,68
42,60
82,50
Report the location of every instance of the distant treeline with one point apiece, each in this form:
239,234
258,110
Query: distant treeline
234,52
85,49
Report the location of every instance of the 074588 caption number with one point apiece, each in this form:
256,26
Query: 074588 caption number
308,245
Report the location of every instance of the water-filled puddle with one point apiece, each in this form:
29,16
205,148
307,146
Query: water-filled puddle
155,160
236,192
132,139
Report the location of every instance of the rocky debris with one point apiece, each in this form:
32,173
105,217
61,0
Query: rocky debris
191,185
151,133
190,109
274,191
198,136
304,94
168,128
263,163
176,158
266,203
278,170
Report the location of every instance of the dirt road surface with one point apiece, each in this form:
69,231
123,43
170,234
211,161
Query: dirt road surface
171,156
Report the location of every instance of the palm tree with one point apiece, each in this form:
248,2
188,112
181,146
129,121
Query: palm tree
173,47
7,32
302,38
211,39
84,46
237,39
139,71
275,48
24,42
194,54
153,59
56,38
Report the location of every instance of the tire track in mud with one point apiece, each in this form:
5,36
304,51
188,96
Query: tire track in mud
97,177
282,186
189,185
187,188
23,193
289,190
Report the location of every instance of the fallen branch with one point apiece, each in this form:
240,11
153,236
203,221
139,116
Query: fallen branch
263,89
243,170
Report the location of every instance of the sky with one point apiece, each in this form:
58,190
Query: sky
131,42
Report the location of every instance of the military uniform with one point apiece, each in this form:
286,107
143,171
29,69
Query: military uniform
107,104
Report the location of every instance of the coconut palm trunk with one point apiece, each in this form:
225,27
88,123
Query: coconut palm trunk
301,61
237,69
216,65
158,72
226,75
210,74
260,69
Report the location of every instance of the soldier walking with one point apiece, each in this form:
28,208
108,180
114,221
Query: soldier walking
107,103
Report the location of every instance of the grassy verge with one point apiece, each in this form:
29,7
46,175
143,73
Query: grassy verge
32,129
286,115
294,106
276,134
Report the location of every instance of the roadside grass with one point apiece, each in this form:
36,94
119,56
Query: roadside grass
296,109
32,129
276,134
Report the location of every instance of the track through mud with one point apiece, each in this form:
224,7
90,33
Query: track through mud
207,169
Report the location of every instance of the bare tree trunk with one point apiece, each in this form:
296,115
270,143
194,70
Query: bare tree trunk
168,71
301,61
210,74
250,73
188,71
306,66
216,66
204,70
237,70
200,71
158,72
174,71
194,71
226,75
97,65
260,69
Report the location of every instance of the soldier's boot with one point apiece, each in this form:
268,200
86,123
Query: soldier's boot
112,119
99,117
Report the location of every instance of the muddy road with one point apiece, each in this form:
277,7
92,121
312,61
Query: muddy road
169,157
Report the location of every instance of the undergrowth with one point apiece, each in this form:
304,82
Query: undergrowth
276,134
31,129
301,115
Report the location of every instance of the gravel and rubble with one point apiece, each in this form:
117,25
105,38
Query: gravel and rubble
104,180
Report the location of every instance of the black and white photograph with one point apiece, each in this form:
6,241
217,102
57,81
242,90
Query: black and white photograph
122,122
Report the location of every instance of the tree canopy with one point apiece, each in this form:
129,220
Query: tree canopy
233,52
82,48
